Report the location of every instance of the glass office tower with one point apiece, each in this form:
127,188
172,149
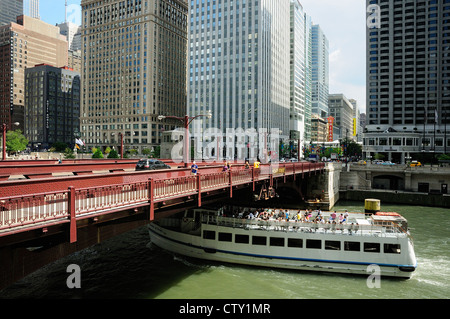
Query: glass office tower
239,64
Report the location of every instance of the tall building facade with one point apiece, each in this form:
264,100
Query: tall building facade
23,45
408,79
33,8
320,72
10,10
239,56
134,69
73,33
341,109
53,106
300,92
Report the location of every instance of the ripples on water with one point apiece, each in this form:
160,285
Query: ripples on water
129,267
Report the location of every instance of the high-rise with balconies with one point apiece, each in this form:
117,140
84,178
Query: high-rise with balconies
408,79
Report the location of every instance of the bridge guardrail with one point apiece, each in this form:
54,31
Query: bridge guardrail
22,213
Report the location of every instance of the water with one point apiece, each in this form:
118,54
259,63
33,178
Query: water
128,267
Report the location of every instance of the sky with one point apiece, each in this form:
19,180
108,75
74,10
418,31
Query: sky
343,22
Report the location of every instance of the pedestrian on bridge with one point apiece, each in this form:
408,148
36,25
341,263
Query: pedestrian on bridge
194,168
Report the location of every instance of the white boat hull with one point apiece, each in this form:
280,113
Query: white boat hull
315,260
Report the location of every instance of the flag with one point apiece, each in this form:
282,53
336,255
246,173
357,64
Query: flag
78,147
79,142
435,116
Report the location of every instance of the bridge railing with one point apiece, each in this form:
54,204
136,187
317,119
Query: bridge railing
20,213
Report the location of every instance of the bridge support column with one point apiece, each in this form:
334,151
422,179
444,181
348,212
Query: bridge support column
199,187
151,191
72,213
253,178
231,183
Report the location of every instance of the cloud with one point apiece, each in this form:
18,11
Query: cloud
344,24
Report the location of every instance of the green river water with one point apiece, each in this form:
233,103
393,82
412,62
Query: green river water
128,267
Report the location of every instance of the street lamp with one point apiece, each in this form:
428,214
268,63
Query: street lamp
186,120
4,139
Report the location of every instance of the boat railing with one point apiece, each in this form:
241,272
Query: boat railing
387,229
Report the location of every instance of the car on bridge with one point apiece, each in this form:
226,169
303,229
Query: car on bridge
151,164
415,164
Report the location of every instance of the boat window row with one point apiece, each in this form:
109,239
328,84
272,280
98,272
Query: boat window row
368,247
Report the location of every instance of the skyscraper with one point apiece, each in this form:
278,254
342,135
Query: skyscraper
10,10
300,100
53,106
408,79
134,69
22,45
33,9
239,55
320,72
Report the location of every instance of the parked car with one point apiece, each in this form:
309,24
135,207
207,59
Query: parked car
387,163
415,164
361,162
151,164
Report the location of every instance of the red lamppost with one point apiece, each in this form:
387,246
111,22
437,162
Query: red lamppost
4,139
186,120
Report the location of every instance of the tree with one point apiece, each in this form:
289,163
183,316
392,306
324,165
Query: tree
15,141
97,154
68,153
113,154
156,153
59,146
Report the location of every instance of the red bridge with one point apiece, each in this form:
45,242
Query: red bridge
31,209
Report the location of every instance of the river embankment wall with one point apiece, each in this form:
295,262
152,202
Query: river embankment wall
397,197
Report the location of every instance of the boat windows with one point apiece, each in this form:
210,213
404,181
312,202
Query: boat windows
352,246
259,240
332,245
225,237
209,234
241,239
372,247
392,248
314,243
295,242
277,241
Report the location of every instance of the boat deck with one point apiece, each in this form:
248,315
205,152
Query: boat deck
357,224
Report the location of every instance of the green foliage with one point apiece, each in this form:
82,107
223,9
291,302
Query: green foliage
156,153
97,154
113,154
146,151
68,153
15,141
108,150
444,157
59,147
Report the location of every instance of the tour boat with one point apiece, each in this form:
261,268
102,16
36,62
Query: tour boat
362,244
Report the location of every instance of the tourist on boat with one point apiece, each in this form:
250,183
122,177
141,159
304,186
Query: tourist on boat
225,167
333,216
247,165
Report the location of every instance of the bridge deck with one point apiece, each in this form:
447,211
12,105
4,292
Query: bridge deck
64,202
